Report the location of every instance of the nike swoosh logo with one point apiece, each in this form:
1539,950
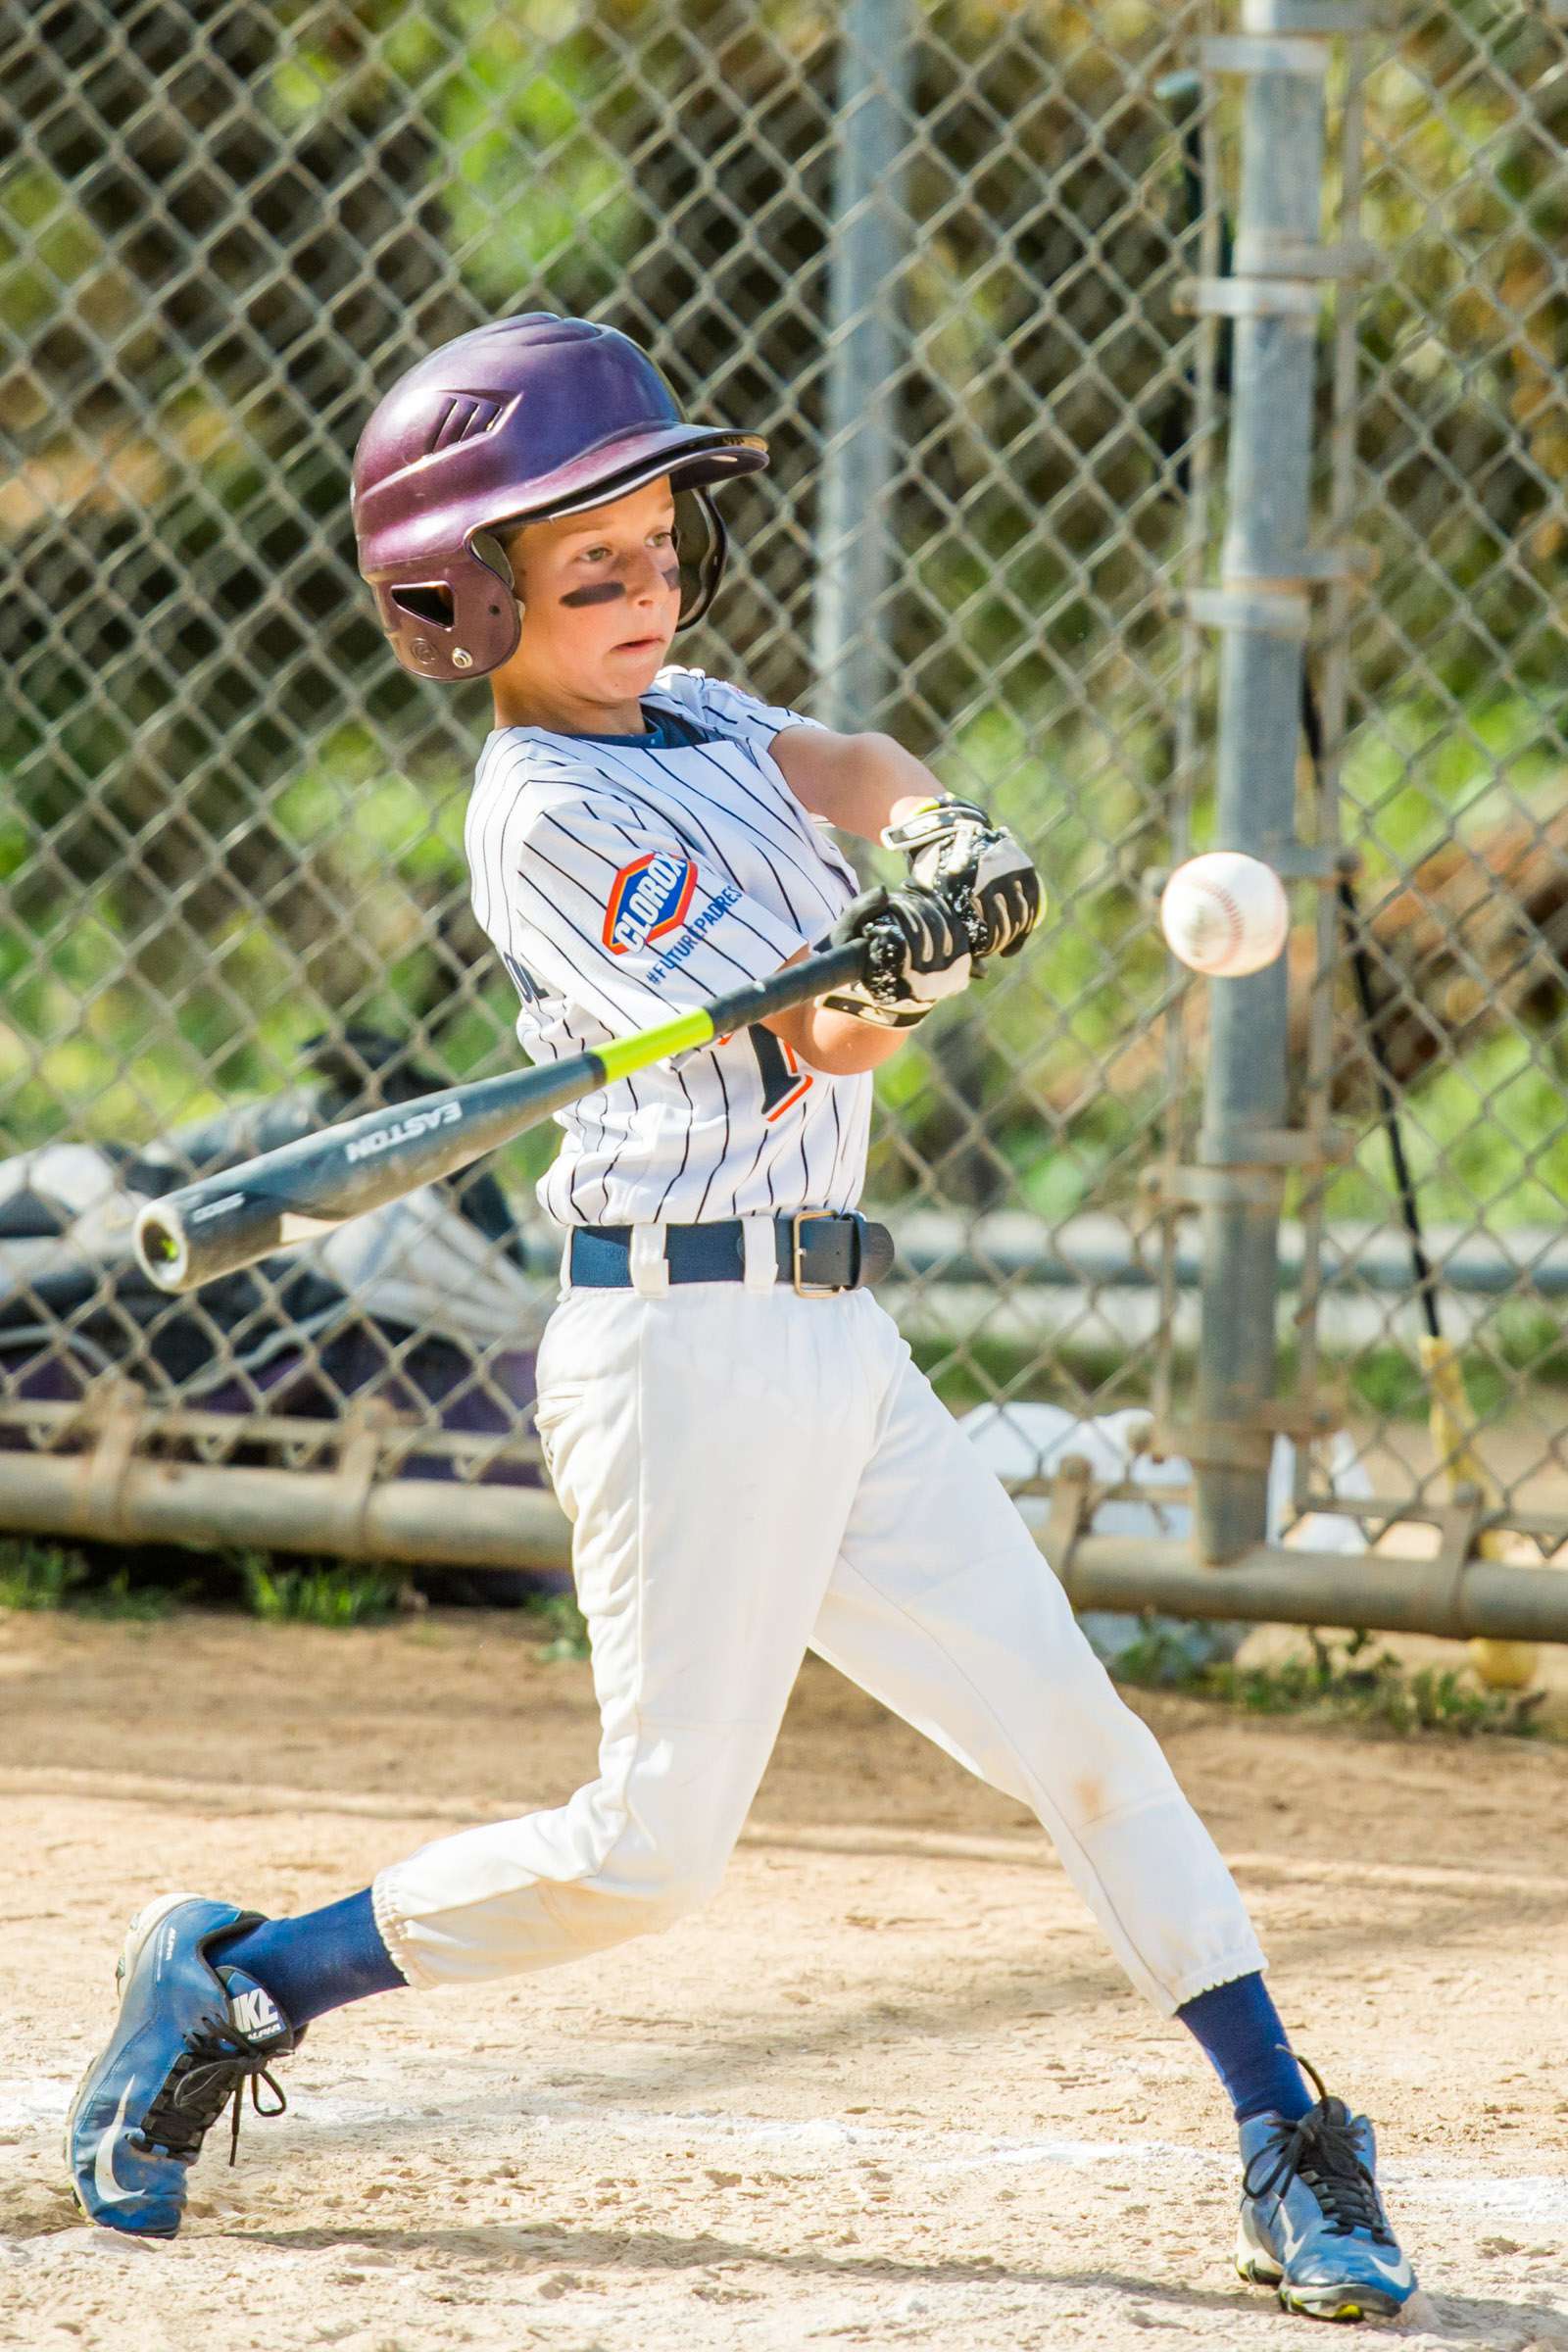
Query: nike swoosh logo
103,2164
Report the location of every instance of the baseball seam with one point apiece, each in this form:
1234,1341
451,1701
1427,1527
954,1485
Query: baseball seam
1219,896
1238,923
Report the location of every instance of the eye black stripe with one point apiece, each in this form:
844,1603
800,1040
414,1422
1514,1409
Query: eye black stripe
597,592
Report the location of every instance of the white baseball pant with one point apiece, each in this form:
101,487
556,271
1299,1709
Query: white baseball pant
752,1474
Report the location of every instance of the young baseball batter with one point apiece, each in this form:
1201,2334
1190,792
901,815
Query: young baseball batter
531,507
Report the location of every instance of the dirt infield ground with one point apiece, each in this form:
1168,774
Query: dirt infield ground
889,2090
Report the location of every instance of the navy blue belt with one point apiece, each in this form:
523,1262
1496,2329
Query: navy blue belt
819,1253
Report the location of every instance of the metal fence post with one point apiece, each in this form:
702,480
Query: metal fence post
870,242
1261,613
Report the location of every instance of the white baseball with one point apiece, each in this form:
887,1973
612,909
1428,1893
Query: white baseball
1225,915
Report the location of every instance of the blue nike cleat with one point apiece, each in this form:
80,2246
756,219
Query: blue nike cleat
188,2039
1312,2223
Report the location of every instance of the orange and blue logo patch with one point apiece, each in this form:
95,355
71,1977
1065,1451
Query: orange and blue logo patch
647,898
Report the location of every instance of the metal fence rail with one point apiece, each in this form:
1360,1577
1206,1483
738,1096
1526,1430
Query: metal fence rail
941,256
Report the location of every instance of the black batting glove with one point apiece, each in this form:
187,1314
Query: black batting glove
953,846
919,953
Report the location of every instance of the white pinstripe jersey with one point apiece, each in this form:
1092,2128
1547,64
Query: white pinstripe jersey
624,879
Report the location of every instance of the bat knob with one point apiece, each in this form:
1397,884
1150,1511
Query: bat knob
882,952
960,903
162,1249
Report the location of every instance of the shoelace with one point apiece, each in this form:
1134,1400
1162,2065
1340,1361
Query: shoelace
219,2060
1320,2150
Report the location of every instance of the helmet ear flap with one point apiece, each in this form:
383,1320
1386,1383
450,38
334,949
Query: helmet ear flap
475,599
701,546
426,602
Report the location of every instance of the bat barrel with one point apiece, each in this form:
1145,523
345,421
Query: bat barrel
307,1188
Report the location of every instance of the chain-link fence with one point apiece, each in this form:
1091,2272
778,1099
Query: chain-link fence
1450,789
937,255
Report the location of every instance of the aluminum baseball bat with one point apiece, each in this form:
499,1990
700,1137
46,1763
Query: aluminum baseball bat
306,1189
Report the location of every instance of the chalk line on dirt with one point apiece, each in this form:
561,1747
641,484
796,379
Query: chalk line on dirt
1540,2198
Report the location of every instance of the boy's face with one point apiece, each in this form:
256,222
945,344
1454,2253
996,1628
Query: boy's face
601,597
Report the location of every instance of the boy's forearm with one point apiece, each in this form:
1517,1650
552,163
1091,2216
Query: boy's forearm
835,1044
890,780
859,783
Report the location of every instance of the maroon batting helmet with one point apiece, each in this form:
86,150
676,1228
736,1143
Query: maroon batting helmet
526,419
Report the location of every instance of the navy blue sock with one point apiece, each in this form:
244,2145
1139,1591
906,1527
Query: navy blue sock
1239,2028
317,1962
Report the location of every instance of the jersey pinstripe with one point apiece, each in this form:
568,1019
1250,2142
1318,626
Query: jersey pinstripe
624,881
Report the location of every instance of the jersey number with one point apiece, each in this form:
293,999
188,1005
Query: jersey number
784,1082
526,986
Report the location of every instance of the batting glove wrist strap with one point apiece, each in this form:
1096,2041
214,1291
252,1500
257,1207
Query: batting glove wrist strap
918,952
953,846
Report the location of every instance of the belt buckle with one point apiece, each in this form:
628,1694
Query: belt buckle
809,1290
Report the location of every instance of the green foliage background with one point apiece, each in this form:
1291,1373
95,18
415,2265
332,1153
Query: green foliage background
231,822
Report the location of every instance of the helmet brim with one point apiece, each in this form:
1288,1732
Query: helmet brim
694,456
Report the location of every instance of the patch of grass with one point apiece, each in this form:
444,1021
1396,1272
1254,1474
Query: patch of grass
1347,1681
119,1599
318,1592
38,1576
1161,1658
52,1576
561,1625
980,1367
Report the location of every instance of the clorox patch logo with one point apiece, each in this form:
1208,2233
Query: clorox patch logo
647,898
